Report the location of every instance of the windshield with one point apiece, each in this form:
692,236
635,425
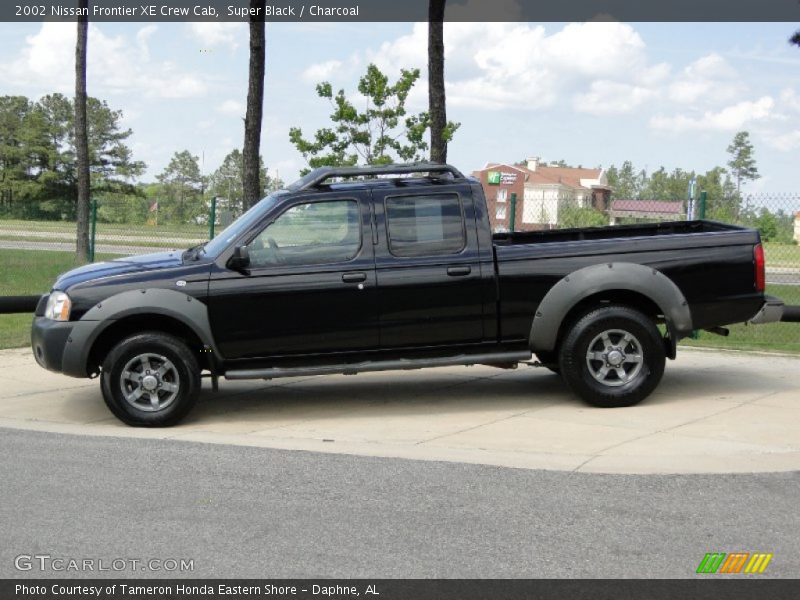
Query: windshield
215,247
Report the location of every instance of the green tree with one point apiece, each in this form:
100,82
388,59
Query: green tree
767,224
226,181
21,138
38,176
58,178
625,182
657,186
181,189
110,159
382,133
722,201
742,162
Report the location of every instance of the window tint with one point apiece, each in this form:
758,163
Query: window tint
425,225
310,234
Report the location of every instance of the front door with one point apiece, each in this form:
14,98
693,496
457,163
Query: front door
428,268
310,286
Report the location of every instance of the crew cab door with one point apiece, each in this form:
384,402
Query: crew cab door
428,267
310,285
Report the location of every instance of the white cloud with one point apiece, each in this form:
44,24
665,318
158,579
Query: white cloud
210,34
321,71
231,107
142,40
116,65
730,118
609,97
785,142
709,79
790,100
498,66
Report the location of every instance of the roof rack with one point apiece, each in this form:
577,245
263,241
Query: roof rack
316,177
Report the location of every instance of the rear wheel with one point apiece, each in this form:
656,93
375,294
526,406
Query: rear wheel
150,380
612,357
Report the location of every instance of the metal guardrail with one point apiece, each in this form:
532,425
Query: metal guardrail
18,304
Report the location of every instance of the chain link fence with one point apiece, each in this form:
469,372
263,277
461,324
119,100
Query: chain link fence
118,227
124,226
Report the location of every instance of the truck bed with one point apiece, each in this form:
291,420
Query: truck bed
613,232
711,263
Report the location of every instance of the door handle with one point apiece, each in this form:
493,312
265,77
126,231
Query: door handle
354,277
459,271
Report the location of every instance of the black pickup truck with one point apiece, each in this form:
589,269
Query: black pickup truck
395,267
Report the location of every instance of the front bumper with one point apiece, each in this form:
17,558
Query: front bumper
49,341
770,312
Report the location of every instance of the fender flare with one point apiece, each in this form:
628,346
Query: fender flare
576,286
155,301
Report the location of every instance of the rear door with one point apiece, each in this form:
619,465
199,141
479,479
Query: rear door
427,266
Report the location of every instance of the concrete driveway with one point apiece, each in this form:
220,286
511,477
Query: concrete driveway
715,412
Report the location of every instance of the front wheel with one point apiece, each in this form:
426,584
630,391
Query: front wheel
612,357
150,380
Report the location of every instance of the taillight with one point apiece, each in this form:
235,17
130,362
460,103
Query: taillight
758,254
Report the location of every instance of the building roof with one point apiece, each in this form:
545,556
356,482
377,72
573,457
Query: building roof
545,175
647,206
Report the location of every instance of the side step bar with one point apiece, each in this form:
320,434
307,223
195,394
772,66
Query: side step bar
384,365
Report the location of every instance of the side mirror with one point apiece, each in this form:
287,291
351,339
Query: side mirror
240,259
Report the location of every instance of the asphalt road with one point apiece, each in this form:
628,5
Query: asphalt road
251,512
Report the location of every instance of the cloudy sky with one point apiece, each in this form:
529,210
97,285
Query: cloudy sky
592,94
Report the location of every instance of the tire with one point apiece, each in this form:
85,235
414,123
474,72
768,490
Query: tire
612,357
145,365
549,360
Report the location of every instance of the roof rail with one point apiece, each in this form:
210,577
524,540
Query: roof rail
316,177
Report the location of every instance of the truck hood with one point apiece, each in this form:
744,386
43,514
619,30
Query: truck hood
119,266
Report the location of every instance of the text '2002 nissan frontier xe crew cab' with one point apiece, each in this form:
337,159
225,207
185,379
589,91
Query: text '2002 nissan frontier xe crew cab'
395,267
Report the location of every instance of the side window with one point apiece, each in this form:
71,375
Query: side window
425,225
309,234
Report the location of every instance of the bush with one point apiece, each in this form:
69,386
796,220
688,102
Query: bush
578,216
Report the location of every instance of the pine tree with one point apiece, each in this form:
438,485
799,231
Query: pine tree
742,163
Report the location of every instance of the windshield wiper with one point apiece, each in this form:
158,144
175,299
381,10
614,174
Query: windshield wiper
193,253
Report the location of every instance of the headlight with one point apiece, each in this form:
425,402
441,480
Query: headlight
58,307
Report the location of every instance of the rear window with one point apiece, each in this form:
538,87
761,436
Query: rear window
426,225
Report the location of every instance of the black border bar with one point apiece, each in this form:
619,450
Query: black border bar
699,588
407,10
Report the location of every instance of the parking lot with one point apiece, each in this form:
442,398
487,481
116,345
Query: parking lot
715,412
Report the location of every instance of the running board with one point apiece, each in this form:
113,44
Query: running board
384,365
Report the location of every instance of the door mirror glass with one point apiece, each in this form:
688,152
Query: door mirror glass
240,259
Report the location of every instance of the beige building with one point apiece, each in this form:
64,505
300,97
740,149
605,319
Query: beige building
540,190
797,228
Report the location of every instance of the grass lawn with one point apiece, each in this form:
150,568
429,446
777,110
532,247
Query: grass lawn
68,227
28,273
782,255
782,337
